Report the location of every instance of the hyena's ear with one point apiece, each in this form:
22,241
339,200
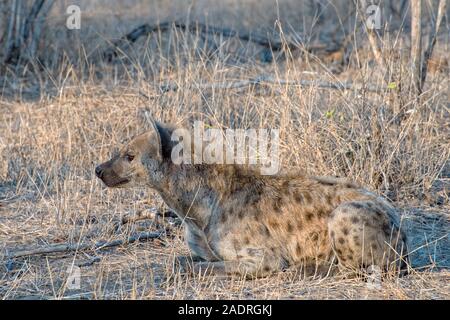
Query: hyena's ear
160,140
154,140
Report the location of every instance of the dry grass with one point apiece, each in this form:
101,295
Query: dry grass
56,123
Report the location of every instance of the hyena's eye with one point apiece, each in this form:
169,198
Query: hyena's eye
129,157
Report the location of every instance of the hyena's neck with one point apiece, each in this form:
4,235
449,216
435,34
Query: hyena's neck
196,192
186,190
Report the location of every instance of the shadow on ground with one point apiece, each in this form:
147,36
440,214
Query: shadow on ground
428,236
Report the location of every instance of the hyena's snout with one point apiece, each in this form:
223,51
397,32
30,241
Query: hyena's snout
99,171
104,170
108,175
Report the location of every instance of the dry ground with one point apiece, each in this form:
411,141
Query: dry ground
56,124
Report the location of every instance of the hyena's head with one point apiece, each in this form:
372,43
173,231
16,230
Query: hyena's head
140,162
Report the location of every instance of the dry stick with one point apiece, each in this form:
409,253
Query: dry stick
416,44
67,247
269,79
145,29
432,41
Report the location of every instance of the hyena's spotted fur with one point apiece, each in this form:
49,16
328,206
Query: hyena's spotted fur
238,221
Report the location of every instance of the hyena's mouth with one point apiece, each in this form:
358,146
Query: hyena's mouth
119,183
114,182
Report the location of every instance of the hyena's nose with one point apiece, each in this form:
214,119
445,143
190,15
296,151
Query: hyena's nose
98,171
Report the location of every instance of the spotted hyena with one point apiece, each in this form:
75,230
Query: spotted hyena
240,222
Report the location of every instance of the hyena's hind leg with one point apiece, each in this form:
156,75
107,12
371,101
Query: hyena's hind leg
363,235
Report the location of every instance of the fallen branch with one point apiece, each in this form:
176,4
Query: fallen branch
270,80
195,27
68,247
